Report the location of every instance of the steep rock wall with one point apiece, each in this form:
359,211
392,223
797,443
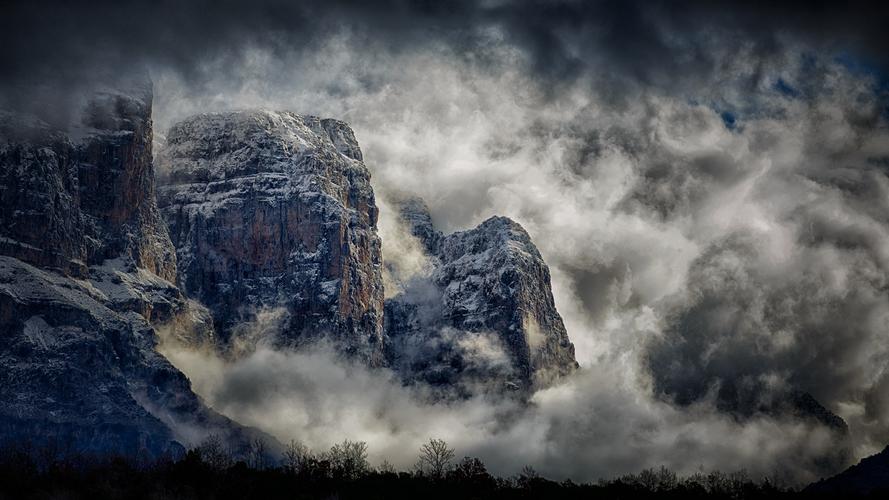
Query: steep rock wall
275,210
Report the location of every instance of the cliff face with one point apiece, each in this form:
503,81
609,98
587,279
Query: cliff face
76,199
85,270
268,212
275,210
78,373
484,317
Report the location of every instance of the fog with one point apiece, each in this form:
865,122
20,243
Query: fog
585,429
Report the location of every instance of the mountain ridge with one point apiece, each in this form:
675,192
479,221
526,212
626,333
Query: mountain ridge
485,303
85,279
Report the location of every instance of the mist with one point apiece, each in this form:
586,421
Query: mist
585,429
757,205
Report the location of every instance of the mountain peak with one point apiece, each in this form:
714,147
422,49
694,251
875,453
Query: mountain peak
486,308
275,210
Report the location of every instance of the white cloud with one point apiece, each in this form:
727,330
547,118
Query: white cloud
624,197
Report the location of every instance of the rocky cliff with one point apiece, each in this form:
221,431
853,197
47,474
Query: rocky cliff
85,278
268,212
275,211
483,317
76,198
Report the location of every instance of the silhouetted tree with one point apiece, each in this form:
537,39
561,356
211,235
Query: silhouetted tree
214,452
257,455
386,468
296,457
472,471
662,479
207,472
435,458
470,468
527,477
349,459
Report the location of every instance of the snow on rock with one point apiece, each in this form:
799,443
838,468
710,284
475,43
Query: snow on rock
74,200
86,275
487,298
79,373
273,209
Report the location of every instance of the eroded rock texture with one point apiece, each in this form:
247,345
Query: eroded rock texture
75,199
483,318
82,375
85,278
275,210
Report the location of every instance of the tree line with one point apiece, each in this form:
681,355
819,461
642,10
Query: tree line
214,471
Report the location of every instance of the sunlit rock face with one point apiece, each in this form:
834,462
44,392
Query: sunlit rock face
483,318
86,270
274,210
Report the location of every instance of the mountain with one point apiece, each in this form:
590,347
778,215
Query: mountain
86,270
274,211
483,316
78,197
255,215
869,476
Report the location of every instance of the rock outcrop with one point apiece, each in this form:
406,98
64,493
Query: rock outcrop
275,210
483,318
70,203
83,376
85,278
268,215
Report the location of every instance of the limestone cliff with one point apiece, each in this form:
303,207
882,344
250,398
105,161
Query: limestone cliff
85,278
75,198
275,210
484,317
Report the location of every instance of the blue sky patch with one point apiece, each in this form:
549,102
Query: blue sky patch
729,119
785,88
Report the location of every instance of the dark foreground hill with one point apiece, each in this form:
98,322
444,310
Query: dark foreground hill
868,477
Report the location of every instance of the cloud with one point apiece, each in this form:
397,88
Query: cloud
650,43
651,212
615,48
586,429
648,216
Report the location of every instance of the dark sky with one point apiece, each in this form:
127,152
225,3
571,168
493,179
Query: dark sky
649,43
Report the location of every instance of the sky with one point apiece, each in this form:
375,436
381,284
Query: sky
707,182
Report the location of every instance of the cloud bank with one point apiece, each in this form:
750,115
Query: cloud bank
731,239
587,429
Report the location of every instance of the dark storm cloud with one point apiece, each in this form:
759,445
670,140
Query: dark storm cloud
649,43
797,300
